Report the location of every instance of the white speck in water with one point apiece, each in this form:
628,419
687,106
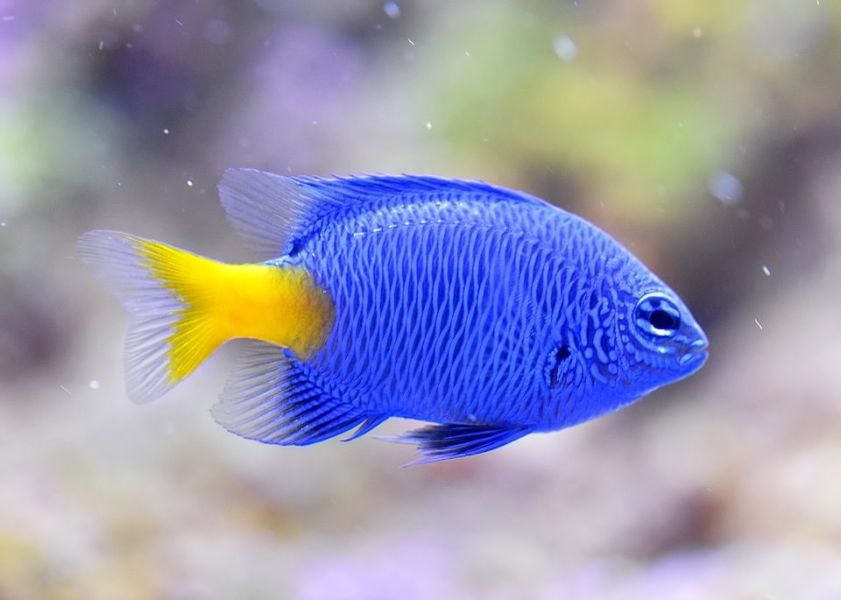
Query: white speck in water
766,270
65,390
137,28
726,187
758,324
565,48
391,10
467,53
189,183
180,24
217,32
2,223
93,384
697,32
101,45
166,131
429,124
410,41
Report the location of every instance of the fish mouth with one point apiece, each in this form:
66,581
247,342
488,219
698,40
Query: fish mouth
696,354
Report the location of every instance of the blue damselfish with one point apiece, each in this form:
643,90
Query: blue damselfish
485,311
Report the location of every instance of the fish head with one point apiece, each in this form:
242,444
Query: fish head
663,341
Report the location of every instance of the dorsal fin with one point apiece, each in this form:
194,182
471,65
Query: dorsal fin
274,211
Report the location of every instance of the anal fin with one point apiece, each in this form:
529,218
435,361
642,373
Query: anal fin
448,441
272,398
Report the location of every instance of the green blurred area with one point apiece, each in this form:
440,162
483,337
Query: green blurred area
706,136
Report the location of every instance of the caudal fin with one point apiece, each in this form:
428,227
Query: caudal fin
183,306
168,336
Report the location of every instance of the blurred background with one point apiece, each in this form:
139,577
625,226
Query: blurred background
706,136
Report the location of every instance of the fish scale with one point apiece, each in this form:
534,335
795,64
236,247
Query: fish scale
416,368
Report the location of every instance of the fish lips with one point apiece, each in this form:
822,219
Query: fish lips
696,355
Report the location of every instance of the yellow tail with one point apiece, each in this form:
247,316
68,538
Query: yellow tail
184,307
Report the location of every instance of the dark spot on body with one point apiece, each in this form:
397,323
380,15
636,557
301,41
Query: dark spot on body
296,246
561,354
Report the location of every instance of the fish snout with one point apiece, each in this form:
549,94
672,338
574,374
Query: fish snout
696,351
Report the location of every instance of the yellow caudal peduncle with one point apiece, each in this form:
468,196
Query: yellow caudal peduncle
281,305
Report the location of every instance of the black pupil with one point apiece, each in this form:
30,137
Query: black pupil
660,319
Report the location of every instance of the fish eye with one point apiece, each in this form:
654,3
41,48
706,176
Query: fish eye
656,315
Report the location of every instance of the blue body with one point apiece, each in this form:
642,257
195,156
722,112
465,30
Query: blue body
451,304
488,311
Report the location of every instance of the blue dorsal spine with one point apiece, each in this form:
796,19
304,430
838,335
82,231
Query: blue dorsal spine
275,212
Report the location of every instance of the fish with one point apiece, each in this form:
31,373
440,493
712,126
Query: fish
487,313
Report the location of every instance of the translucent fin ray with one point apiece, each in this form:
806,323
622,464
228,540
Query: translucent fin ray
153,309
271,398
273,212
263,207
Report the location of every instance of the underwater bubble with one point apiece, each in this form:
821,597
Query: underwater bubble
93,384
166,131
189,183
565,48
391,10
429,124
726,187
766,270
